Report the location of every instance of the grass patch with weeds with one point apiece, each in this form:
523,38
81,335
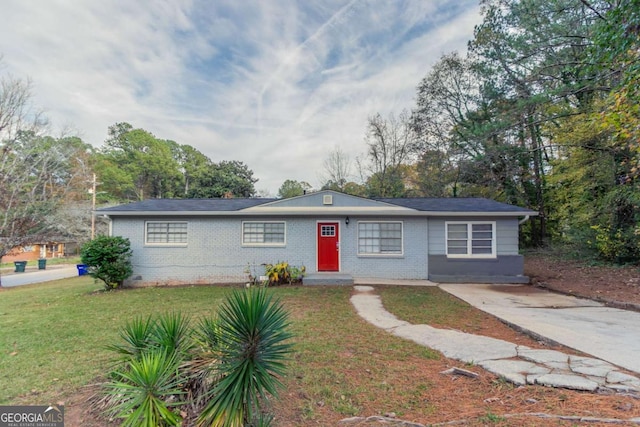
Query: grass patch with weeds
428,305
54,338
55,334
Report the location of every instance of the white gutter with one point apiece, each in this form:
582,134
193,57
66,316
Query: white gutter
320,212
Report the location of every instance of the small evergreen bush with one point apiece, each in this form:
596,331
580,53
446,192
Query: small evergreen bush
108,259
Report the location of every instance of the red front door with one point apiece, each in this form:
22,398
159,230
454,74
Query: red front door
328,246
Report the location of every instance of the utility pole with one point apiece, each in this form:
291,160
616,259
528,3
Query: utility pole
93,207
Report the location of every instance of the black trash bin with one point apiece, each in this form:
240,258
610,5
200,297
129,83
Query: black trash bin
42,264
82,269
20,266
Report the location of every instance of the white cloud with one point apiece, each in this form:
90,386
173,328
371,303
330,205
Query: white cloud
275,84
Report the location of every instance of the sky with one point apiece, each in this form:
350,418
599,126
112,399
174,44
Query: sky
276,84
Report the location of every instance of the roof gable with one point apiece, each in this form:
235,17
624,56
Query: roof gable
326,199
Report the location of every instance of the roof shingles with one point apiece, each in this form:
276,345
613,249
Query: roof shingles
188,205
424,204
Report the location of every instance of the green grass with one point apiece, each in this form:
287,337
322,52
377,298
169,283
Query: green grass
427,305
54,337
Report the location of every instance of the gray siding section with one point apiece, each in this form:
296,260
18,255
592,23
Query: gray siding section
214,253
503,269
507,267
506,233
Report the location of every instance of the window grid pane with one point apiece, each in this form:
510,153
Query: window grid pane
482,238
470,239
263,232
379,238
166,232
327,230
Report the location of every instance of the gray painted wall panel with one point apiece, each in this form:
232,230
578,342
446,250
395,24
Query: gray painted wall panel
215,254
504,269
506,232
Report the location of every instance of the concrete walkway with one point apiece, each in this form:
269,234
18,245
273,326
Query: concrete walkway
517,364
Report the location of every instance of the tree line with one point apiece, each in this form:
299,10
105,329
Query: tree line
541,111
45,179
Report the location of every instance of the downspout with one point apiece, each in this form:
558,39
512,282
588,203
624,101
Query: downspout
523,220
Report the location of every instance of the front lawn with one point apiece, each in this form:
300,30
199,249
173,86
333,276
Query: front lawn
54,335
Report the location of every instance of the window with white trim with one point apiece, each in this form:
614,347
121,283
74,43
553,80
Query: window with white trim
263,233
165,233
474,239
379,238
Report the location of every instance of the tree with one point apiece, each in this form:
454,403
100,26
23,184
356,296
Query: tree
37,173
292,188
138,166
445,139
337,168
227,178
536,56
108,259
134,165
192,164
435,175
389,142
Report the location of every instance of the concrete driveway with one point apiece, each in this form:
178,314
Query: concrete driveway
607,333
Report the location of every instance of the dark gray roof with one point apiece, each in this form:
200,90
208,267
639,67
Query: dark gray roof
454,204
187,205
423,204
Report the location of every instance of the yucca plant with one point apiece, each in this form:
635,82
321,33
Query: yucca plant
143,391
137,336
207,333
172,333
201,367
253,349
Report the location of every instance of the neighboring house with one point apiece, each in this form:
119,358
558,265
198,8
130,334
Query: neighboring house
330,233
56,248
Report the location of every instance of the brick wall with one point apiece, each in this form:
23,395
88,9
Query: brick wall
215,254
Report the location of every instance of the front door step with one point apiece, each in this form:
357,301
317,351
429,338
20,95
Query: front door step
329,278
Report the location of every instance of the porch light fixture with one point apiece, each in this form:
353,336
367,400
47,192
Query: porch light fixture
346,220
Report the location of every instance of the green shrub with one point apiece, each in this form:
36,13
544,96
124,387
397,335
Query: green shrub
619,246
283,273
108,259
218,371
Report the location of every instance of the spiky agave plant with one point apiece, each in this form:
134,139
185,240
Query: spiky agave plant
201,368
252,355
137,337
148,376
172,333
145,388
